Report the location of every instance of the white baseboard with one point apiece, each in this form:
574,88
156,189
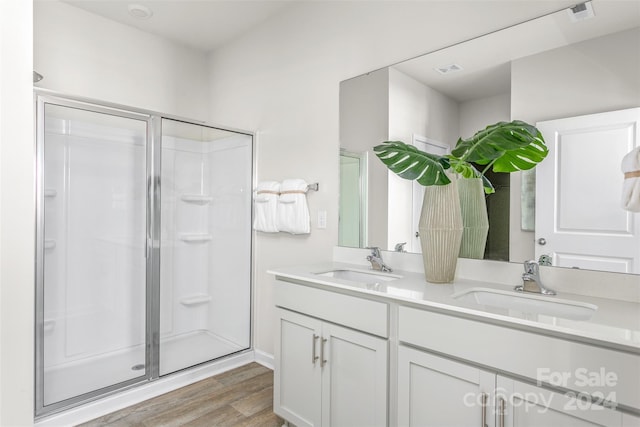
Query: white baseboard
265,359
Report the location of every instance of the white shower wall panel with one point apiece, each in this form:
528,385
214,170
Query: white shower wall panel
106,245
206,192
94,230
184,260
55,248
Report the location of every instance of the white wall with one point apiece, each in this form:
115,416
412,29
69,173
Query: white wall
364,113
477,114
282,79
17,214
82,54
589,77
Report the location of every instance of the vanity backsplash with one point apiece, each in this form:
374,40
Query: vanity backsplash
617,286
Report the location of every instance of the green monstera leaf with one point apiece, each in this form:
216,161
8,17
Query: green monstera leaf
504,146
410,163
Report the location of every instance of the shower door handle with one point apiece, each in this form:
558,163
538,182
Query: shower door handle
148,243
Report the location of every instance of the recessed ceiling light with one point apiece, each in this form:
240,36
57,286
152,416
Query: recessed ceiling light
448,69
139,11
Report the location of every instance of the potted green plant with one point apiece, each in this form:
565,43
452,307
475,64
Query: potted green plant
502,147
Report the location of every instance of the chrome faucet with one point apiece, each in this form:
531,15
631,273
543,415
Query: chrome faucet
531,280
376,261
400,247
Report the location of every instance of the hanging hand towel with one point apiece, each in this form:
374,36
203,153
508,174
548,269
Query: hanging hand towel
266,206
293,212
631,187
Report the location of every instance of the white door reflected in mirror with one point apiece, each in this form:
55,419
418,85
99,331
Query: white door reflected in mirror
576,228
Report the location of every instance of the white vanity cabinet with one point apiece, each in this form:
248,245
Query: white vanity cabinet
446,389
354,356
329,374
434,391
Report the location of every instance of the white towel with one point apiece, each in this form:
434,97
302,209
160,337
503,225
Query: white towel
631,187
293,212
266,206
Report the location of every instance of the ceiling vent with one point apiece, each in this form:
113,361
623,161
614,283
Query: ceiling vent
581,11
448,69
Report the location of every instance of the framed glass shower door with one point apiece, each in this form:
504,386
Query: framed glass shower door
143,263
92,255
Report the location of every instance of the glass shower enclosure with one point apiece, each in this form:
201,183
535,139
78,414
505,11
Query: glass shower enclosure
143,264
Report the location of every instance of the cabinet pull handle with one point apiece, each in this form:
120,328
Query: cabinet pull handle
501,411
485,396
314,358
323,361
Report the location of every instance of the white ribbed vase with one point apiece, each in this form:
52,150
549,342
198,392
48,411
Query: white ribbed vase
440,232
474,218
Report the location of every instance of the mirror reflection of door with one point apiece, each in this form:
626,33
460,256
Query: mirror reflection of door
352,221
433,147
573,226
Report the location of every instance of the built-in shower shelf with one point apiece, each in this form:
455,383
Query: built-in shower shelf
195,237
197,299
50,192
49,243
199,199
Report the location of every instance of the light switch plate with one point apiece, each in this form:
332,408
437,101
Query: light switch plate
322,219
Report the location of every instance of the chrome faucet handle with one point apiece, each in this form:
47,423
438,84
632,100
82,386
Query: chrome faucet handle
400,247
531,267
531,280
375,251
376,260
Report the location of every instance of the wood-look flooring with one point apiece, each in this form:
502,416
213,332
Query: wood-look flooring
240,397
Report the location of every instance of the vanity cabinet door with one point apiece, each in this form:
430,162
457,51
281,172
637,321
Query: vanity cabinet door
354,378
520,404
433,391
328,375
297,373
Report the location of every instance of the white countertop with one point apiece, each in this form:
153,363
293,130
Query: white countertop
615,324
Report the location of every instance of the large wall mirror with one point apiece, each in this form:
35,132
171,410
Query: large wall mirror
573,73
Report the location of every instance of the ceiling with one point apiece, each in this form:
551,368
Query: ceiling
199,24
485,61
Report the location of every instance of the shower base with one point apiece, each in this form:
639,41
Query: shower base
177,352
182,351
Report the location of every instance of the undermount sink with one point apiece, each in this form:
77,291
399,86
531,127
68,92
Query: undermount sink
528,303
359,276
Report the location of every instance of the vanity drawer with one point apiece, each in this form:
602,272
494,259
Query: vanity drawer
354,312
598,371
